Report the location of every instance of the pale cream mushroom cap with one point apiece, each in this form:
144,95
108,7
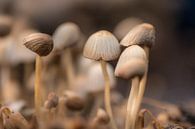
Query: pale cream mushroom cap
66,35
123,27
132,62
143,34
102,45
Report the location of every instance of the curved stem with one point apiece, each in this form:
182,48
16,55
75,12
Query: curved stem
67,57
107,94
142,86
38,98
131,103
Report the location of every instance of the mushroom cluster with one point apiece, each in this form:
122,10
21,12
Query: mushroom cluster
65,81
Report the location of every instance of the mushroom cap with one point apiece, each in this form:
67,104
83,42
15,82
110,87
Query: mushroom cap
74,101
143,34
132,62
123,27
66,35
40,43
102,45
102,117
6,23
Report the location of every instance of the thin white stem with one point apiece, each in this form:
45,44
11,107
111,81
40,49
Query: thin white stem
107,100
142,86
67,59
131,103
38,97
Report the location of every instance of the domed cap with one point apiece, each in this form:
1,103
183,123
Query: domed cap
102,45
143,34
66,35
6,23
132,62
40,43
123,27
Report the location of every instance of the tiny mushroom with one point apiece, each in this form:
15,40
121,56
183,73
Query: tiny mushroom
42,45
103,46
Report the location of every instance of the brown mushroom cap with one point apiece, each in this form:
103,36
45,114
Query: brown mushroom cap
66,35
40,43
102,45
143,34
132,62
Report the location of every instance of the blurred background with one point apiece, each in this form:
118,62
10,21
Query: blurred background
172,61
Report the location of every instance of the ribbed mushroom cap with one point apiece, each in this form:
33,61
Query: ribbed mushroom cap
66,35
132,62
6,23
102,45
143,34
40,43
123,27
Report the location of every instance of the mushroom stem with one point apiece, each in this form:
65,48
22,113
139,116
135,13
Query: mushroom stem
38,97
107,100
132,103
142,86
5,77
67,57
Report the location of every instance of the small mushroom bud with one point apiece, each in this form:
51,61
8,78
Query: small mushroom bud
41,44
6,23
52,101
73,101
102,117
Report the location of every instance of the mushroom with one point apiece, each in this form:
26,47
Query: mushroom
42,45
132,64
103,46
6,23
9,86
100,119
65,36
123,27
143,35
